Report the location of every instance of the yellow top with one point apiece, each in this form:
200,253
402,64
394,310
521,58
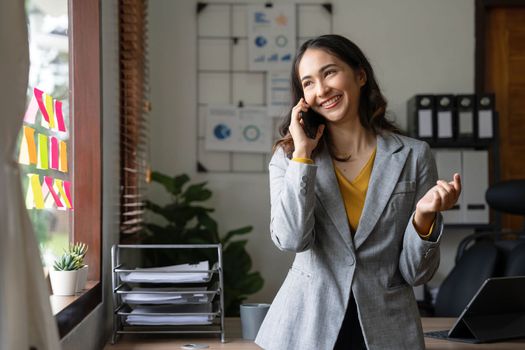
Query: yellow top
354,192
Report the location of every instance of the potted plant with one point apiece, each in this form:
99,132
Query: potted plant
64,274
190,223
79,250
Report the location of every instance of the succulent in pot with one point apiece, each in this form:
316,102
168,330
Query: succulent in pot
64,274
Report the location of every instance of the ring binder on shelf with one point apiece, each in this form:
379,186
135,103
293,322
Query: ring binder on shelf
485,116
445,117
421,117
466,111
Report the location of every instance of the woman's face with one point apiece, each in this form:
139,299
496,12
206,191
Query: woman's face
330,86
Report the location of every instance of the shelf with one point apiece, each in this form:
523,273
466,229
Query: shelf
477,144
157,298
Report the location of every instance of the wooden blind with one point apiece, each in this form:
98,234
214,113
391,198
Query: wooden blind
134,110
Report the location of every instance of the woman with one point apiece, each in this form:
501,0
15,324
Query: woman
360,206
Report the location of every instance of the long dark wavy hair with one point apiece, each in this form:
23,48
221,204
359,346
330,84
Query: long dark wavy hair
372,103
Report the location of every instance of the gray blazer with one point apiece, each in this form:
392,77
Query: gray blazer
379,265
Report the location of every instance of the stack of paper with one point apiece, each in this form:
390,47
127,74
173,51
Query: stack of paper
158,315
166,296
162,275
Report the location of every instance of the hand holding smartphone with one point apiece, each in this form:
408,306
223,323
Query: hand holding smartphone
311,122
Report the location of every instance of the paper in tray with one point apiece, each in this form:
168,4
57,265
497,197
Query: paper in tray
159,274
157,315
166,296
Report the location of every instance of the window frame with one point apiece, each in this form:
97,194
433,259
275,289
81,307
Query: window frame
85,109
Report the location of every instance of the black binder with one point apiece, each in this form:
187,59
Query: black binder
466,112
445,117
495,313
421,117
485,116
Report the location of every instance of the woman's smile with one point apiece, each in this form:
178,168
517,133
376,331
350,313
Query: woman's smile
331,103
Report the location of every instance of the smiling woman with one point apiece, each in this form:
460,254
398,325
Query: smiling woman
335,203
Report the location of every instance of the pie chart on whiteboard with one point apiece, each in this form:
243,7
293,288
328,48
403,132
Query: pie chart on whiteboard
251,133
222,131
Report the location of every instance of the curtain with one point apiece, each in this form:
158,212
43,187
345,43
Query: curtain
26,319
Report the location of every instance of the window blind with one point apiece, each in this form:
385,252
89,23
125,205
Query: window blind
134,112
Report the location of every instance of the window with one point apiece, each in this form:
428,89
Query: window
79,91
45,138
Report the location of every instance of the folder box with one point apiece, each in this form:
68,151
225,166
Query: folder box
484,121
475,181
465,114
421,117
445,117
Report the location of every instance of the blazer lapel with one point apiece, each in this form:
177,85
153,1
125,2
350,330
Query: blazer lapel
389,162
329,195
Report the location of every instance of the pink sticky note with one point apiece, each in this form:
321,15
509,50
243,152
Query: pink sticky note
39,99
54,153
30,115
67,189
60,116
49,182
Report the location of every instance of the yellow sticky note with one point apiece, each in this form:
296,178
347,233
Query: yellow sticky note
63,157
43,150
30,202
37,191
49,109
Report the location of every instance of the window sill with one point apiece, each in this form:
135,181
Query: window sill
59,302
69,311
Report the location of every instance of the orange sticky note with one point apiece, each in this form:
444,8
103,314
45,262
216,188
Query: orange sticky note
38,196
63,157
27,153
43,160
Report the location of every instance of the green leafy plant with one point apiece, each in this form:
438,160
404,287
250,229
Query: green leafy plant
191,223
67,262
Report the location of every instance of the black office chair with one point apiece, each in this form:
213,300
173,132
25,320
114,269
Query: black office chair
474,266
515,265
483,255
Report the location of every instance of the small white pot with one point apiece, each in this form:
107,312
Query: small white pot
82,278
63,282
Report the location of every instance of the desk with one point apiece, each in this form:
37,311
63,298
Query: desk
235,342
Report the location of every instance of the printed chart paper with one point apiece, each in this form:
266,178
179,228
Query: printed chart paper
245,129
271,37
278,94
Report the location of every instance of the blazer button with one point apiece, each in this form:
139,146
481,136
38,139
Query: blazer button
351,262
303,191
304,178
303,184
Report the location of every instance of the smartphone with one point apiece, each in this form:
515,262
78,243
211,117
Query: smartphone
312,120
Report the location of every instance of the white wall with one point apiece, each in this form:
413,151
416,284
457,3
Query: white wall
93,331
415,46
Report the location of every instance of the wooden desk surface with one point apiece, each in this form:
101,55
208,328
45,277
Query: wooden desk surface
235,341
